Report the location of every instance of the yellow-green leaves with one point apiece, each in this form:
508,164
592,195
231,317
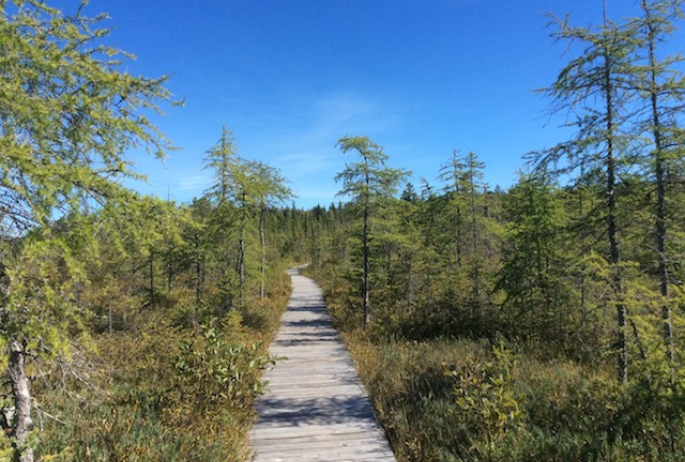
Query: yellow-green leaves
67,113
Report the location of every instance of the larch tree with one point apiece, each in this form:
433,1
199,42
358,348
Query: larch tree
595,87
68,114
270,189
474,174
453,174
223,160
662,87
243,189
366,182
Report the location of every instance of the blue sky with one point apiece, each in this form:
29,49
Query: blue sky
291,77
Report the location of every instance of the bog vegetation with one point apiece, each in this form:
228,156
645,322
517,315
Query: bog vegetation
544,322
540,323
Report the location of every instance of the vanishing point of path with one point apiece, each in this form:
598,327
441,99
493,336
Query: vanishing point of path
316,408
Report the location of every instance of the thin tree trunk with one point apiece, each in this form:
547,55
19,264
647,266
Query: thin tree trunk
198,270
474,237
455,166
410,285
584,250
23,402
198,277
241,257
262,243
458,226
110,320
169,274
152,276
660,173
612,229
365,238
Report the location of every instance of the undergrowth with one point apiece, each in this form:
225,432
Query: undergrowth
166,391
493,400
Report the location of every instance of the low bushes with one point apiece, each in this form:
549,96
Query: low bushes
466,400
166,391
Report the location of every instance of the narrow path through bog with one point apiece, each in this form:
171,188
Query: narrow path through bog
316,408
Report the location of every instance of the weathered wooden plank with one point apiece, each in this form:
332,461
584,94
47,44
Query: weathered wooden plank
316,408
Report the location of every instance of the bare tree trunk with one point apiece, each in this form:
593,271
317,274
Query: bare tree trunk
23,402
367,269
262,243
612,229
660,172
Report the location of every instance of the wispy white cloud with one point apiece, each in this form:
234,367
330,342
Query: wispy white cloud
196,182
304,147
306,144
296,133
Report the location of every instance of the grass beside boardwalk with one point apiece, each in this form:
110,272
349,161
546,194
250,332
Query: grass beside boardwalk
166,391
465,399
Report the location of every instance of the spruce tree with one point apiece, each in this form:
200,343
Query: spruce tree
534,257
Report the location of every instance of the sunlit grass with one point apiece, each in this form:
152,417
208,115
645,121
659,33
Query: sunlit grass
144,407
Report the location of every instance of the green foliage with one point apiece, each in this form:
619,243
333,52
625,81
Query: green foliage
68,114
464,400
532,274
242,192
369,178
169,393
143,415
212,372
485,398
146,322
369,184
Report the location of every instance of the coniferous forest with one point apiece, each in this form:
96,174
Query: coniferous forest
542,322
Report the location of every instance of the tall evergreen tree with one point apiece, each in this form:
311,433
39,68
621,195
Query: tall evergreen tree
595,86
534,260
453,174
223,160
269,190
474,174
663,88
365,182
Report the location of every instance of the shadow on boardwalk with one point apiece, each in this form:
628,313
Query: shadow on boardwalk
318,411
316,408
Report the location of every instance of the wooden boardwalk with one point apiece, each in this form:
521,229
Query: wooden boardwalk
316,408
